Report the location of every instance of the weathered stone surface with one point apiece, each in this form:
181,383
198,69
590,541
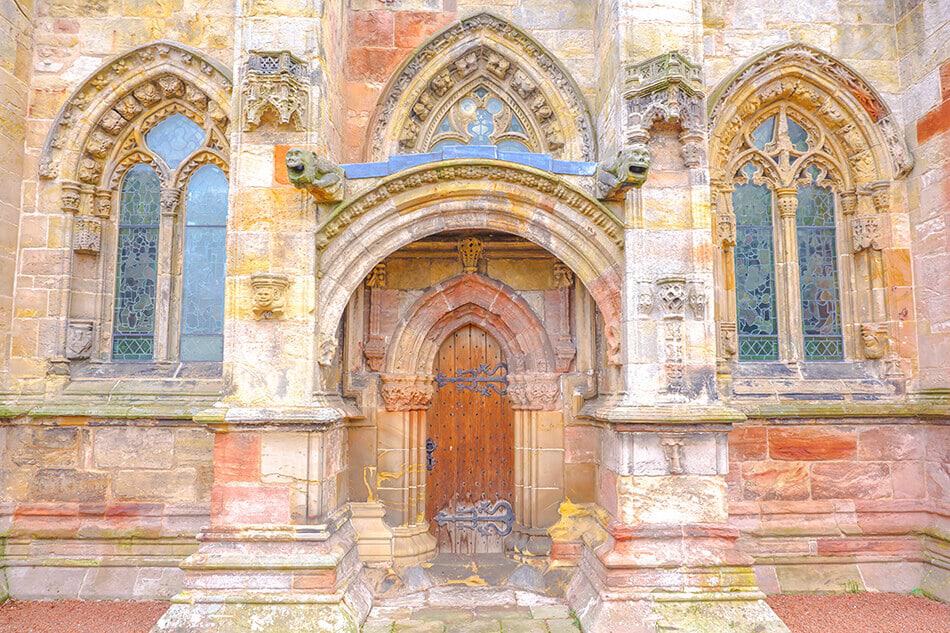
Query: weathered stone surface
775,480
66,484
812,444
134,448
850,481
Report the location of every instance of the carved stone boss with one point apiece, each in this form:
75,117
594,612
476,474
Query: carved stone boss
275,81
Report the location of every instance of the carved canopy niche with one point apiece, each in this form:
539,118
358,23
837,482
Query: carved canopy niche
482,67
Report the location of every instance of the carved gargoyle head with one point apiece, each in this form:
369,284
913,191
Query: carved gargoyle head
322,178
299,164
628,170
635,165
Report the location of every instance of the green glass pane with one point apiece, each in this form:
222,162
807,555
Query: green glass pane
136,265
818,274
755,273
175,138
202,304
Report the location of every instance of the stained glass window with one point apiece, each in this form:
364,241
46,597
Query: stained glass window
481,118
202,303
763,134
818,271
175,138
755,271
134,328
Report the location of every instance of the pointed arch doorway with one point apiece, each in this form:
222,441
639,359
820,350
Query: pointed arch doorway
471,443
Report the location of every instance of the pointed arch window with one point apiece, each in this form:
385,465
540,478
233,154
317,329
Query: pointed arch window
170,245
483,118
786,265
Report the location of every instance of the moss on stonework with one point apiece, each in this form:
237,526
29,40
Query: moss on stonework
714,617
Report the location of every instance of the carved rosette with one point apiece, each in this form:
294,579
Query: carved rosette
269,295
275,81
534,391
79,339
87,234
406,392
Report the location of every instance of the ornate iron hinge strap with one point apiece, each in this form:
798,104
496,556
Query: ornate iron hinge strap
484,516
483,379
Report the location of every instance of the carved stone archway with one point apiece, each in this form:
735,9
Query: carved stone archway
470,194
407,390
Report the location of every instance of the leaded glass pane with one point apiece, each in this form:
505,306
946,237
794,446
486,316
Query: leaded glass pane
763,134
818,273
136,268
755,272
175,138
797,135
202,303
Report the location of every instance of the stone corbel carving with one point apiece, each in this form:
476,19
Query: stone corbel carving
725,230
87,234
672,446
79,339
728,340
470,252
627,171
880,195
645,298
102,203
169,201
326,351
696,298
70,196
874,341
321,178
534,391
405,392
270,292
866,233
275,81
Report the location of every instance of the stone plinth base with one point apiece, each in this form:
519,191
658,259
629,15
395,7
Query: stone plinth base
374,538
271,580
413,544
655,578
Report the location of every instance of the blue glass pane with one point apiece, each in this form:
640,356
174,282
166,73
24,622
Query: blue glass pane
175,138
818,273
763,134
202,303
136,266
513,146
755,273
516,126
798,136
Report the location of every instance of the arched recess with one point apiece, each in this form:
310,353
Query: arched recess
469,299
469,194
101,133
482,49
854,150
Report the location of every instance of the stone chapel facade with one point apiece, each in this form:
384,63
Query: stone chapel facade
651,297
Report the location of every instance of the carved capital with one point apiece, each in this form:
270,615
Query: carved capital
275,81
849,202
880,195
672,294
874,341
787,201
269,295
102,203
693,149
377,276
866,233
627,171
645,301
70,196
169,201
323,179
534,391
563,275
696,299
470,252
79,339
406,392
87,234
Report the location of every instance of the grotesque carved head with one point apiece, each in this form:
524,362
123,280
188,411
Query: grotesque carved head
874,341
299,164
322,178
635,164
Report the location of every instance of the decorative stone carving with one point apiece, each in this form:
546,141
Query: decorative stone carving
874,341
672,446
535,391
377,276
849,202
87,234
866,233
726,230
696,298
405,392
275,81
374,349
627,171
728,340
326,351
169,200
667,87
645,298
269,295
434,173
102,203
554,111
79,339
671,291
323,179
563,275
880,196
70,196
470,252
812,63
675,371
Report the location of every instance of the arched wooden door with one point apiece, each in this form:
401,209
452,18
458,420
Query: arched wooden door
471,430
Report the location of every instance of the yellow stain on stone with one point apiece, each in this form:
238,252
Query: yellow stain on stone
580,522
472,581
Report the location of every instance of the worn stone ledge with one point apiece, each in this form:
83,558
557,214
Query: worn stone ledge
624,417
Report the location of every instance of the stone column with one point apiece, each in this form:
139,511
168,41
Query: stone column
788,289
539,459
400,477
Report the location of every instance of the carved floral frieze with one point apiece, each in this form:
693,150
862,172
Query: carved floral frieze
405,392
534,391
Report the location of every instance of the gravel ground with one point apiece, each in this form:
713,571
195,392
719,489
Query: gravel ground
75,616
862,613
853,613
